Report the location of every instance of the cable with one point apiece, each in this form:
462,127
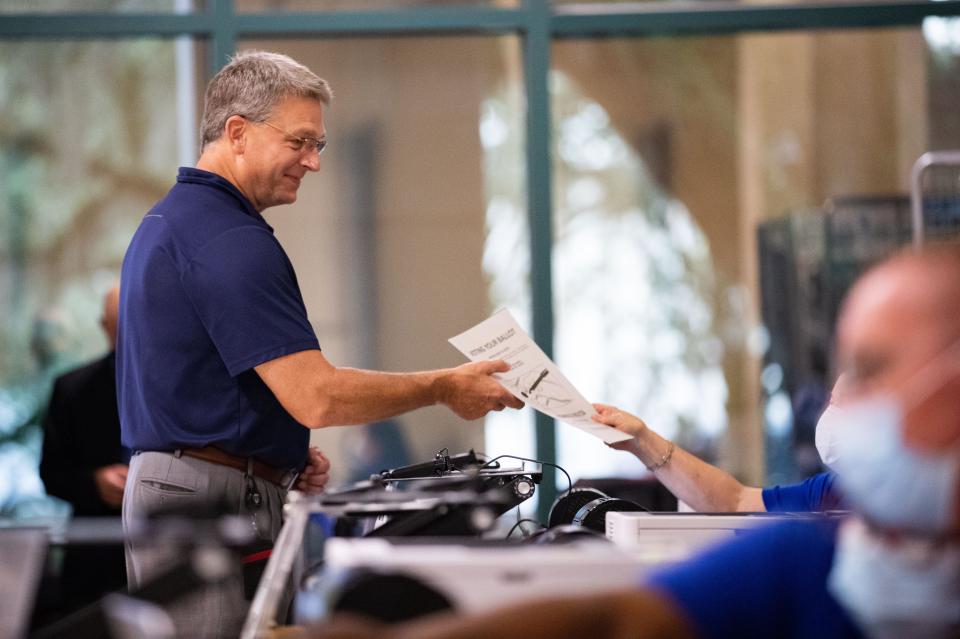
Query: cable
494,464
518,524
534,461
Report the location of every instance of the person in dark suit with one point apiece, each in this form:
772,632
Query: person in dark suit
84,464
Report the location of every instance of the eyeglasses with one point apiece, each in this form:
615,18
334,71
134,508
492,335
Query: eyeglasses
298,143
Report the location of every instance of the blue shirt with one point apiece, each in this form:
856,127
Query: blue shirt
207,293
767,582
817,493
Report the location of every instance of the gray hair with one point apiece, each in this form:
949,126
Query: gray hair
251,85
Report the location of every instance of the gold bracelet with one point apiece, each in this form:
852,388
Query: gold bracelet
663,460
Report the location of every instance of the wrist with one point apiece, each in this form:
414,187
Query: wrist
439,385
633,446
649,447
663,460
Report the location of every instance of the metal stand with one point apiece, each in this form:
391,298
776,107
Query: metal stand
935,195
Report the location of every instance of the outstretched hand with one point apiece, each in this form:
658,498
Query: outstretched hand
315,476
470,391
621,420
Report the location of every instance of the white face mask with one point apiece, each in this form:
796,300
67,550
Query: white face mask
825,436
892,484
910,589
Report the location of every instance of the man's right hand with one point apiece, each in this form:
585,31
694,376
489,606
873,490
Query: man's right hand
470,392
110,481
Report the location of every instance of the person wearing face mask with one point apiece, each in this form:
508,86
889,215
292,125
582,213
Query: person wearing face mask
706,488
891,568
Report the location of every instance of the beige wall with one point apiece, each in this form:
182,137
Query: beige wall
422,99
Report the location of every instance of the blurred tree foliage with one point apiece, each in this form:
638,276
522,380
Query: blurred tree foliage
87,145
637,310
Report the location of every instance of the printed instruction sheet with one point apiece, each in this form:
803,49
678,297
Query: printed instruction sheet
533,377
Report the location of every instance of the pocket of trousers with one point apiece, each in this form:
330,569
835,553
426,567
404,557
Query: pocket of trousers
167,487
161,496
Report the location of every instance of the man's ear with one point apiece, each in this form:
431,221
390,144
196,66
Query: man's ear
234,133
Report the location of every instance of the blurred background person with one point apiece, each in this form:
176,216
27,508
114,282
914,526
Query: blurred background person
84,464
891,569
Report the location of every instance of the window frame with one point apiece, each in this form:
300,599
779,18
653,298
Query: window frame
538,23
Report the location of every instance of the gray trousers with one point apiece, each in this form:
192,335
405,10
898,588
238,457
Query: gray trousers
162,480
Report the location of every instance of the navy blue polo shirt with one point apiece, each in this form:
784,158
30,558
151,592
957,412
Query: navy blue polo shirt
767,582
207,293
817,493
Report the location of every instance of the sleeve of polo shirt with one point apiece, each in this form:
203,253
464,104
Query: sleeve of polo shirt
813,494
246,294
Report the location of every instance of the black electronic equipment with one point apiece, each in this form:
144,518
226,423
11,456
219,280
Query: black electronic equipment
210,541
390,597
563,534
565,507
442,464
593,514
587,507
452,495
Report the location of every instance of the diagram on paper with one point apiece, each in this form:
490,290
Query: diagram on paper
536,388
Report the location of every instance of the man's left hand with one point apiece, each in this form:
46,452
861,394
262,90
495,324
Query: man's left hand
315,476
110,481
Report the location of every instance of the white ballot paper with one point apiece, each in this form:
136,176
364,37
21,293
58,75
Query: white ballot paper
533,377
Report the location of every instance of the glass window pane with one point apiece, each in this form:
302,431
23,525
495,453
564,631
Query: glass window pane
92,134
362,5
107,6
388,240
715,197
752,3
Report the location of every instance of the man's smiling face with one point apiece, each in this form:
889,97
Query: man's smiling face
275,160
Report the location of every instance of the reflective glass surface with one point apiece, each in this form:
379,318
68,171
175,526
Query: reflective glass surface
101,6
362,5
714,199
91,137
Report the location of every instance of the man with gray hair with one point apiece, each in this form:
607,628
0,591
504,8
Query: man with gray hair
219,372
